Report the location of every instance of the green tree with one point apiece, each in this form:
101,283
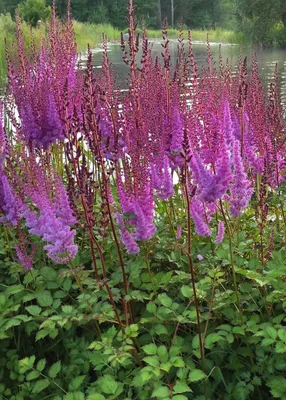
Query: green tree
33,11
257,17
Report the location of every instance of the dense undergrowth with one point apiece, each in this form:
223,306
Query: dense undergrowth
143,233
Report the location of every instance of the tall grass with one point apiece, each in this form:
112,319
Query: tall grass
219,35
92,34
8,32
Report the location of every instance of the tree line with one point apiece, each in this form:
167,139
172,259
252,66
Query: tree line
262,21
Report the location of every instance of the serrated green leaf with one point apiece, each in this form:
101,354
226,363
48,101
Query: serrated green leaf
165,300
181,387
161,392
42,333
151,308
55,369
67,309
32,375
211,339
41,365
40,385
26,363
271,332
267,342
76,382
150,349
154,361
108,384
74,396
187,291
282,334
34,310
96,396
12,322
179,397
280,347
44,298
196,375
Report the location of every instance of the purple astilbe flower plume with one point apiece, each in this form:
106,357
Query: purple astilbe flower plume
9,205
162,179
25,259
24,256
179,232
50,216
176,132
227,125
199,217
240,187
126,237
44,80
220,233
211,187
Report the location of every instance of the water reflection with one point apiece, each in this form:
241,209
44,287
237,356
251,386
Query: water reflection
267,59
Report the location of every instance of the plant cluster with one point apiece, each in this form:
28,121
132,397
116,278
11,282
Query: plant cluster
143,231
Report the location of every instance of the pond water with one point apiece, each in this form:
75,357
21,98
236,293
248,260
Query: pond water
267,59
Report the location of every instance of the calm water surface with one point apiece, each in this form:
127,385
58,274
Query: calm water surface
267,59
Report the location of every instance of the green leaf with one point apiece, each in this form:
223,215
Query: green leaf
96,396
2,299
32,375
76,382
41,365
108,384
211,339
26,363
282,334
162,353
280,347
179,397
187,291
45,298
165,300
196,375
154,361
177,362
277,385
181,387
238,330
55,369
40,385
271,332
67,309
151,308
74,396
42,333
150,349
267,342
34,310
12,322
161,392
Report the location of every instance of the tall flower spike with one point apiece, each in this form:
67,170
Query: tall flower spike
198,214
240,188
220,233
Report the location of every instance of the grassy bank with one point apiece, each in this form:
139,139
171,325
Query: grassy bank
92,34
219,35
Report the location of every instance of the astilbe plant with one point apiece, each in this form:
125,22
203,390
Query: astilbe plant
83,153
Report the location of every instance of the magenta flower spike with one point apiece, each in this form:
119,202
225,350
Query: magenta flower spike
240,187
